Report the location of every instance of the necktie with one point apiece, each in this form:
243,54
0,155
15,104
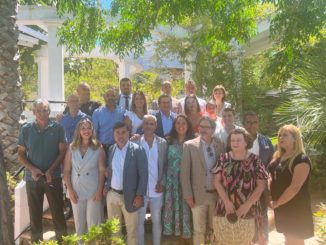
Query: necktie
126,102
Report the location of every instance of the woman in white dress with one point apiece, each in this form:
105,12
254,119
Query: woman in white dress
84,175
134,117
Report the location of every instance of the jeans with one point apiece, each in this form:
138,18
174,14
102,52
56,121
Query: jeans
35,196
155,206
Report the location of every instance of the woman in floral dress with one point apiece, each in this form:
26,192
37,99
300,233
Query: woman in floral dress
176,213
240,179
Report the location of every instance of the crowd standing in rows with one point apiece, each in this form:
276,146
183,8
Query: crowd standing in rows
202,176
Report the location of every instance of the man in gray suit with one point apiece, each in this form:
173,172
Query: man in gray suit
198,158
127,180
156,152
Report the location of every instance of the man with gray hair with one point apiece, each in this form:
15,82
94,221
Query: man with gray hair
41,149
156,152
198,158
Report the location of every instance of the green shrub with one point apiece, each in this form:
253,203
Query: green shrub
97,235
320,222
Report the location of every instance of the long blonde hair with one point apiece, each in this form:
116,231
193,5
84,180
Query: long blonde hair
77,141
298,147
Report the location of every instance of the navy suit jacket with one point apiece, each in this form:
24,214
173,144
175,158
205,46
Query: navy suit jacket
159,130
266,149
135,173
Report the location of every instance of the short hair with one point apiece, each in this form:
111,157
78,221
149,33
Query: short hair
247,137
249,113
164,96
82,84
220,87
210,102
211,121
125,79
229,109
39,102
112,89
119,125
166,82
149,116
192,82
72,95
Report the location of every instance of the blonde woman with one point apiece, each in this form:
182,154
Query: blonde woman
84,175
289,175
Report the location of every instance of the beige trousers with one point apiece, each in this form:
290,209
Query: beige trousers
116,208
202,221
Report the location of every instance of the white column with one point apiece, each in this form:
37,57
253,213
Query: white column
123,69
55,67
190,65
42,72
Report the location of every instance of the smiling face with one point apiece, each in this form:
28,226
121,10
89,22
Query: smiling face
228,118
86,130
251,124
191,88
84,93
238,143
121,136
125,87
139,102
218,94
166,87
206,130
191,104
111,98
181,126
41,112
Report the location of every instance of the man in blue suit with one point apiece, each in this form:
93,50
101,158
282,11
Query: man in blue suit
164,116
127,180
262,147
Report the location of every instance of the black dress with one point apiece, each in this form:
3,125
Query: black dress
294,217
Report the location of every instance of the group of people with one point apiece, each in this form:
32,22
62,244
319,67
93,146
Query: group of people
202,176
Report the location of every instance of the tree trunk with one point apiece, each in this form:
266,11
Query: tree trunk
10,93
6,223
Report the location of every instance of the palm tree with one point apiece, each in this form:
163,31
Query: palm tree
10,93
306,104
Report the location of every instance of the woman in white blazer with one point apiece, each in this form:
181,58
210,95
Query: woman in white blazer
84,175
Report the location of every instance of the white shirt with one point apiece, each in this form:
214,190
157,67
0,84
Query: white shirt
118,162
136,122
152,158
220,133
122,101
255,147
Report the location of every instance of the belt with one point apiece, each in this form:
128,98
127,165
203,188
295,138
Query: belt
120,192
211,191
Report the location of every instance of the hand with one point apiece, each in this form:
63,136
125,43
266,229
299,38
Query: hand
48,176
135,137
105,191
98,196
138,201
73,196
36,174
274,204
242,210
159,188
190,202
229,207
58,117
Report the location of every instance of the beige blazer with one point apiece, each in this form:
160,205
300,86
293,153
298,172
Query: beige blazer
193,170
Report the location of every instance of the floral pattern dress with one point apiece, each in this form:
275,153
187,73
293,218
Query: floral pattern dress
239,180
176,212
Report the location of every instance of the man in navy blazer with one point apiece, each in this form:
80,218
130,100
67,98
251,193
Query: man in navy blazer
127,180
262,147
164,116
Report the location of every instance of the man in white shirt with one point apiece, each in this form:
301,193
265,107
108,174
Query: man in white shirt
125,97
126,180
190,88
156,152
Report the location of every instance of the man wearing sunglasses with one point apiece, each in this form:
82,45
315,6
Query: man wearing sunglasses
199,157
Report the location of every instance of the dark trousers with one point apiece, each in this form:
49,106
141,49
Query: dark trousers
35,196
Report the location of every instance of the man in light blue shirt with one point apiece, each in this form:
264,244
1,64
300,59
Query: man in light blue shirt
70,119
105,117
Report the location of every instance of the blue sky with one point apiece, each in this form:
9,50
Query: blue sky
106,3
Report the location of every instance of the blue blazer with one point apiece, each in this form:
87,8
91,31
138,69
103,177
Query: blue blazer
135,173
159,130
266,149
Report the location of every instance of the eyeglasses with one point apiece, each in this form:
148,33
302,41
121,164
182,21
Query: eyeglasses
42,111
209,151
